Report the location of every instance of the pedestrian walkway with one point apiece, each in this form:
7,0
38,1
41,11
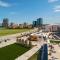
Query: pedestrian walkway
3,44
55,53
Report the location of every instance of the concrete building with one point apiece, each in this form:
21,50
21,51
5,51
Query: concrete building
52,28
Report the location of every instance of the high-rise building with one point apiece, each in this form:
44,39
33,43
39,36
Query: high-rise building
39,22
5,22
34,23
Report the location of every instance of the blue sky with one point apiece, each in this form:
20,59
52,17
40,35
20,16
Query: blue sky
19,11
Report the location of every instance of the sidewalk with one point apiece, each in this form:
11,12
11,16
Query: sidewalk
3,44
55,55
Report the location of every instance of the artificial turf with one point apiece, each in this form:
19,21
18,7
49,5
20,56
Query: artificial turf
12,51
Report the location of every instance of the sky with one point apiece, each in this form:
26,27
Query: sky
19,11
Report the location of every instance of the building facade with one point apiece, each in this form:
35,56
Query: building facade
52,28
5,22
39,22
34,23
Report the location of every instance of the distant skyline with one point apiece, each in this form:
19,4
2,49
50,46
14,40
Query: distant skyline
19,11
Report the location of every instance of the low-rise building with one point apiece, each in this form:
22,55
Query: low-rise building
30,26
52,28
13,26
21,26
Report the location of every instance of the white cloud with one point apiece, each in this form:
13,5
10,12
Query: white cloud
57,8
4,4
57,11
51,1
12,13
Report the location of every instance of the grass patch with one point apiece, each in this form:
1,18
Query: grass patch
12,51
4,31
57,42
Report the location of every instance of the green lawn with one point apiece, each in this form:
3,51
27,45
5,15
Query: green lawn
12,51
11,31
54,41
